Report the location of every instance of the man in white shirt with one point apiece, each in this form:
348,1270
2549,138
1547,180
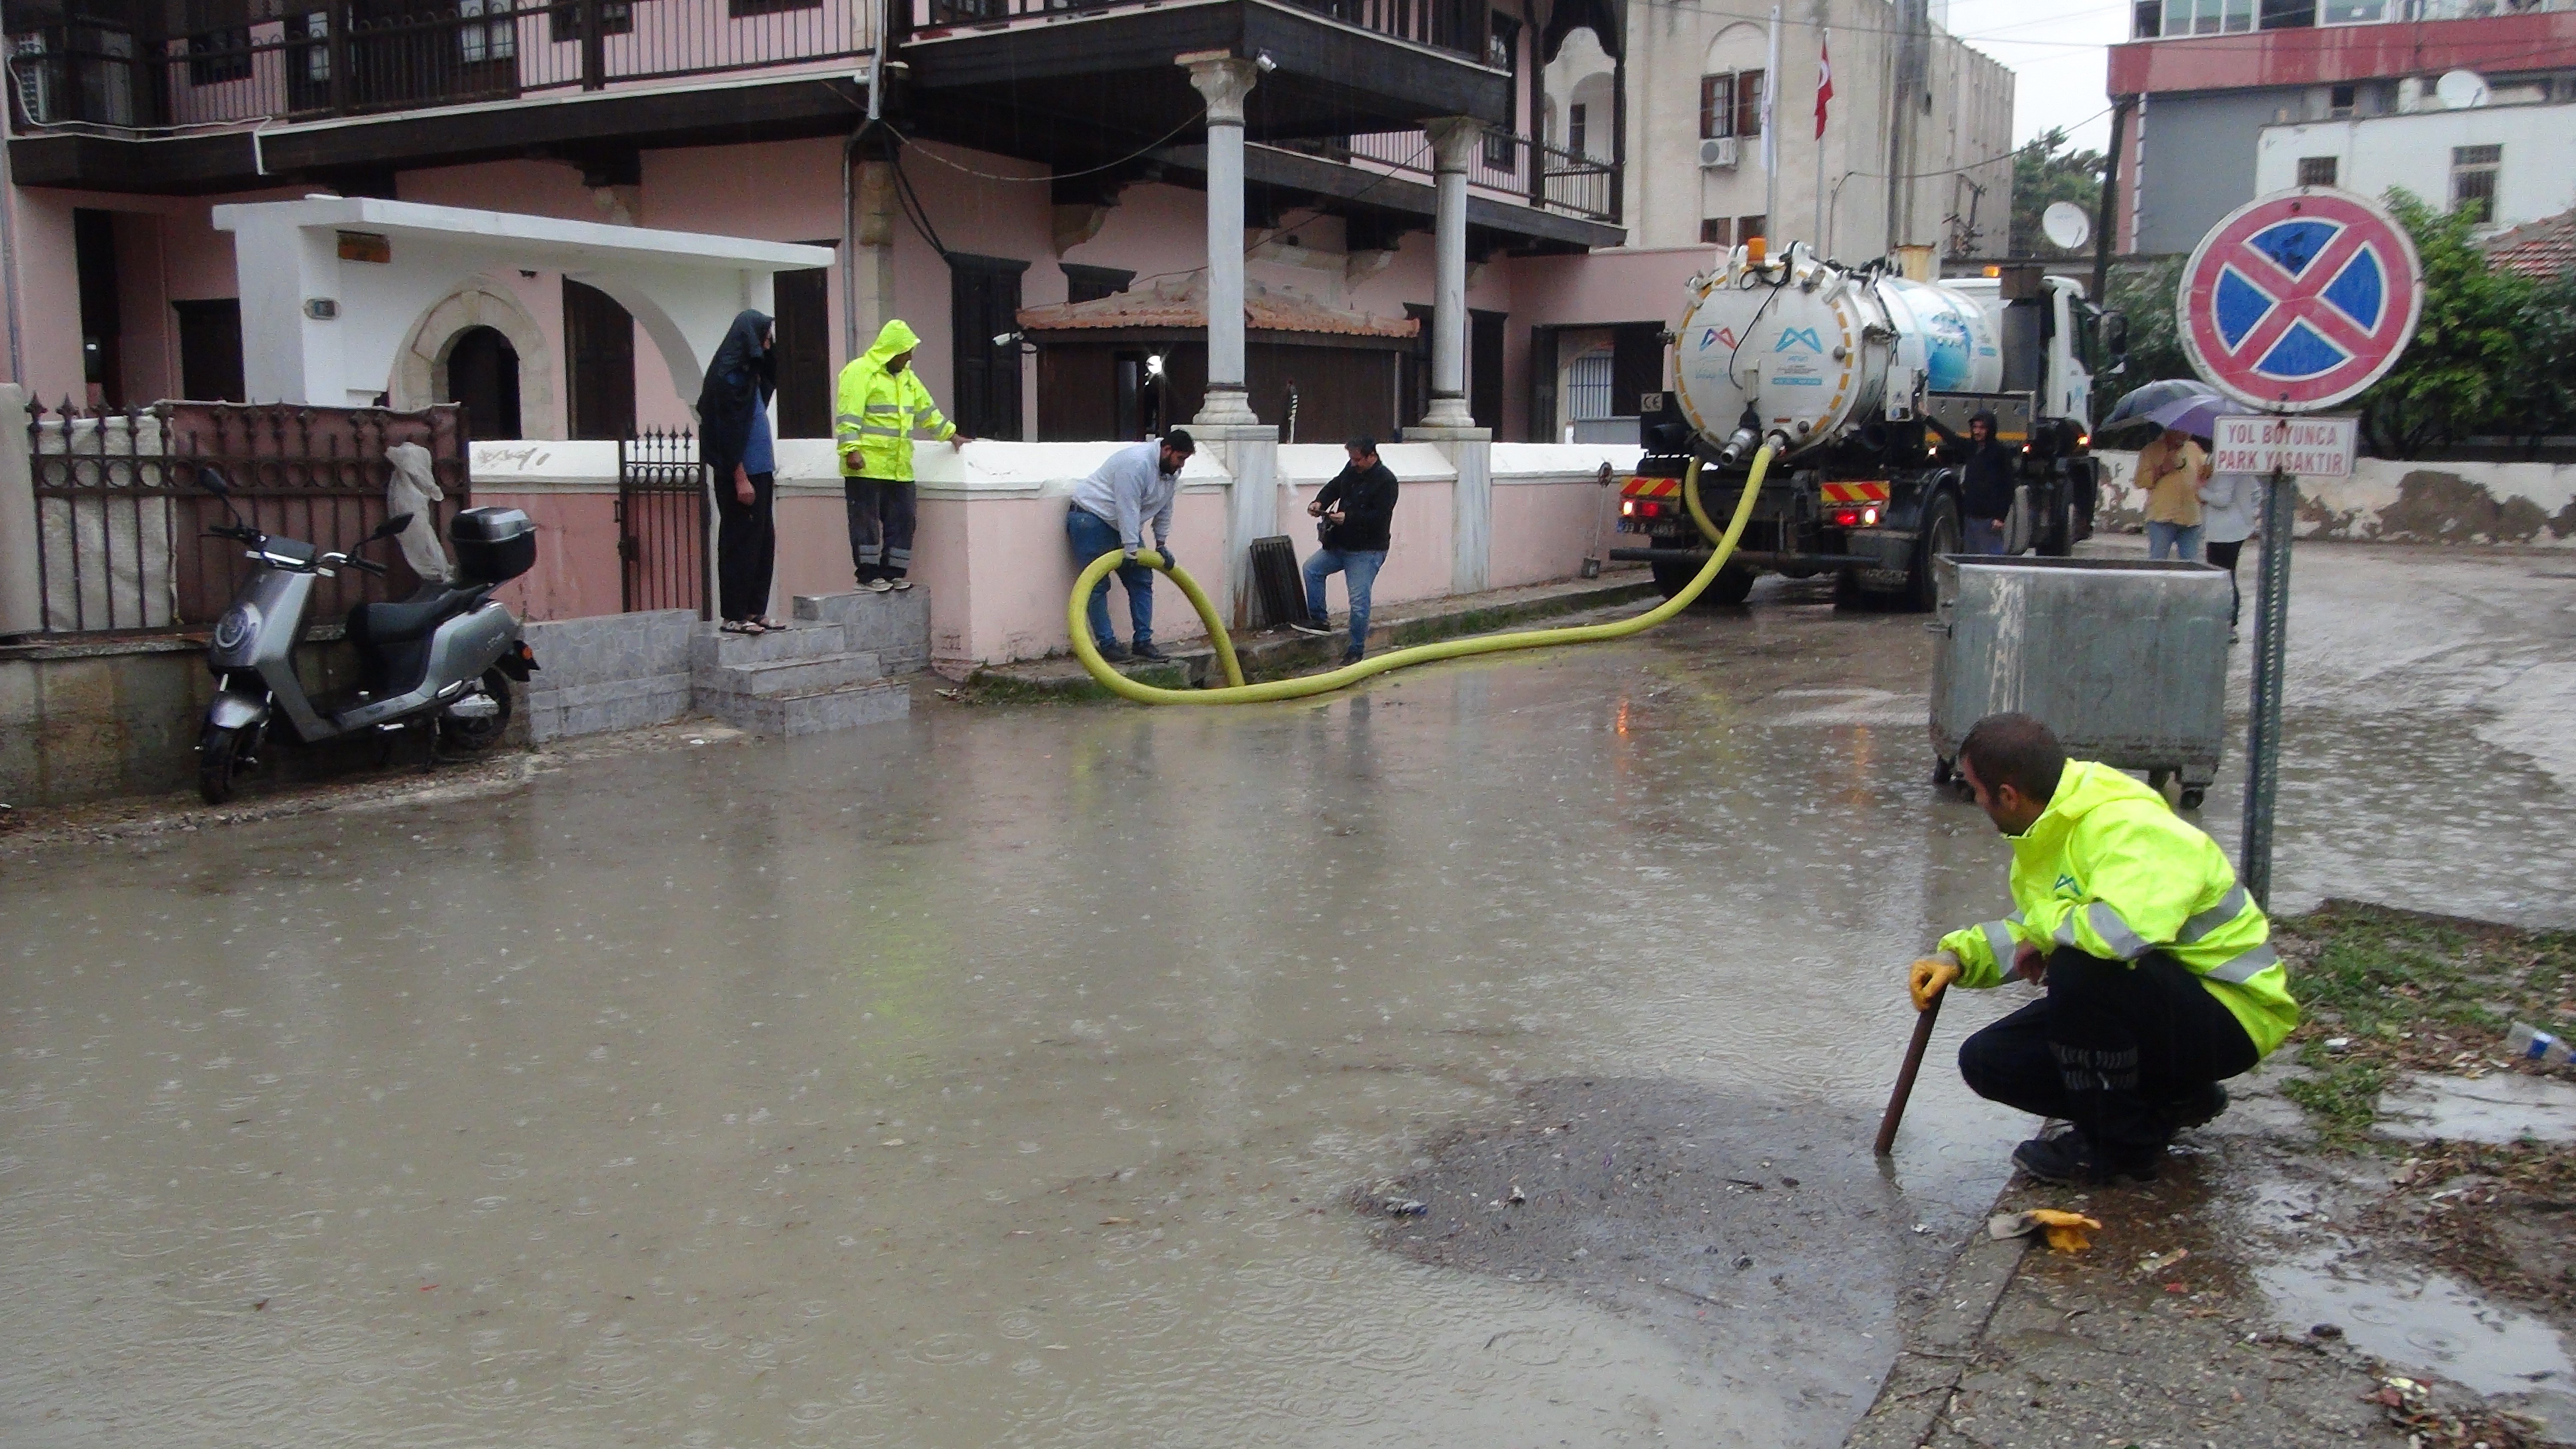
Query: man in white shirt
1110,510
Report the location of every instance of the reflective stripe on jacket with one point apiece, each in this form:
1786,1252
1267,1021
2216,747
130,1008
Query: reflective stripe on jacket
2110,870
876,412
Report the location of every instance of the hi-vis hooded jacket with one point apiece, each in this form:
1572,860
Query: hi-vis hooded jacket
2108,869
877,411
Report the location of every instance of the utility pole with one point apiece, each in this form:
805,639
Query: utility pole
2107,207
1913,42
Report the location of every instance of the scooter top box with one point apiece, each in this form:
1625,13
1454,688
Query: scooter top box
493,545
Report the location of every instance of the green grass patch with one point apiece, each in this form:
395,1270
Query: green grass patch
2400,991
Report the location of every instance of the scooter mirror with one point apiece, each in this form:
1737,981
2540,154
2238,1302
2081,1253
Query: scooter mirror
212,480
390,527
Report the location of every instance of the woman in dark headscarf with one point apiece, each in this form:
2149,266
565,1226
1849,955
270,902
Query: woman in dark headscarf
735,443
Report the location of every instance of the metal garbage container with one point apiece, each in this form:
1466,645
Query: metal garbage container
2125,659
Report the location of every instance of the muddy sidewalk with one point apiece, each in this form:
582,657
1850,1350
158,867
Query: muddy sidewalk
2372,1247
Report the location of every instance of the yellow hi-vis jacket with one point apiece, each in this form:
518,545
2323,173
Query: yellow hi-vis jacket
2110,870
877,412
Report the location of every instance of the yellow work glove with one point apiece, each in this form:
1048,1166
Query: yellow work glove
1928,978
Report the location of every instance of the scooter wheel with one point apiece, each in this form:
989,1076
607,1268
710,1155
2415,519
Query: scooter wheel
222,757
477,733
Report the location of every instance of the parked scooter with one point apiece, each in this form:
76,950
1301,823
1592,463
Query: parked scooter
446,655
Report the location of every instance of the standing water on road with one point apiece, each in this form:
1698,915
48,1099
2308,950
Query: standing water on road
1009,1077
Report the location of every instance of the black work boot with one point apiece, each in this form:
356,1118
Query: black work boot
2195,1108
2068,1159
1115,652
1146,650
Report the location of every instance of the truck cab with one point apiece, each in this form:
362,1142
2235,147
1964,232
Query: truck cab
2047,327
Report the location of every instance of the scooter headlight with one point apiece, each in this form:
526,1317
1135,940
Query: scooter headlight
238,626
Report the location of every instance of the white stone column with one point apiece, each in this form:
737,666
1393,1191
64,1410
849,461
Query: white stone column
22,596
1225,80
1453,143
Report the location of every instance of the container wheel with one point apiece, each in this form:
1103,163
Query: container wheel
1730,586
2157,780
1942,769
474,733
223,757
2193,795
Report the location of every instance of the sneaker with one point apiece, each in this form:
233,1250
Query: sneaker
1115,652
2069,1161
879,586
1315,628
2194,1110
1351,656
1146,651
900,583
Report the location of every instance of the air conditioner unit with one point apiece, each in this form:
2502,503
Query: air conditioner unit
35,78
1716,152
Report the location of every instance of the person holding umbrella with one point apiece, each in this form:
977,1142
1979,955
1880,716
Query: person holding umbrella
2171,470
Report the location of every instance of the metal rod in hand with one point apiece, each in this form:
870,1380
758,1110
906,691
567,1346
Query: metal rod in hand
2263,724
1905,1076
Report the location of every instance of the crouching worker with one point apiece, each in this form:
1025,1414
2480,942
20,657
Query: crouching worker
2159,979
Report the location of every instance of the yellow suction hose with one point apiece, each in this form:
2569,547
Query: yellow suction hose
1235,691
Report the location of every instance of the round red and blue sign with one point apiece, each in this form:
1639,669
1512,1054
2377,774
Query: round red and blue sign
2299,300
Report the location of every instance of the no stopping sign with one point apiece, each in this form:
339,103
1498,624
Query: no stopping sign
2299,300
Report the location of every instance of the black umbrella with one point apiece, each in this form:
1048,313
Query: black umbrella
2133,409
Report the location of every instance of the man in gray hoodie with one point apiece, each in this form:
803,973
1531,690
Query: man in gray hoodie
1110,511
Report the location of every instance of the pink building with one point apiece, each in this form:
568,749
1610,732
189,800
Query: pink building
989,156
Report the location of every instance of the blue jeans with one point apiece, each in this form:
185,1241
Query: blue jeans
1983,535
1092,536
1359,577
2174,539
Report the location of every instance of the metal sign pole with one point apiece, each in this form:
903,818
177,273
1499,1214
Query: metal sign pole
2271,649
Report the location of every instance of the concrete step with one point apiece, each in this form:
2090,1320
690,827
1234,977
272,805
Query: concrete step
712,648
895,625
777,678
790,715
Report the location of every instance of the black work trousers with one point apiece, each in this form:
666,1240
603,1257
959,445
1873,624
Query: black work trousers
882,513
2224,555
746,548
2111,1047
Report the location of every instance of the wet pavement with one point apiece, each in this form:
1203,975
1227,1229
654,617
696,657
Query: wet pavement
1004,1076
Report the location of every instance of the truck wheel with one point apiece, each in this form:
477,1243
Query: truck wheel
1940,536
1672,578
2057,536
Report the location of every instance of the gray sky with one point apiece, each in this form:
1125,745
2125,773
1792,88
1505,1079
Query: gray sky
2056,51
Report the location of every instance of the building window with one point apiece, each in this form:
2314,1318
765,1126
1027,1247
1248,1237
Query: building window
217,56
1749,227
2353,12
2146,20
2316,171
563,19
2286,14
1575,134
2473,180
737,9
2208,17
1730,105
1717,231
2340,102
492,40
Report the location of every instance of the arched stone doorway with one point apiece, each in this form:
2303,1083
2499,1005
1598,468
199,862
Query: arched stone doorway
481,370
487,323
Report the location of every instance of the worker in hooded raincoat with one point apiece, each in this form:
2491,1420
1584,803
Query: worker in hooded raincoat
881,404
2159,973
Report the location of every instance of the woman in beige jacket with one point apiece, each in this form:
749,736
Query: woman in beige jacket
2171,470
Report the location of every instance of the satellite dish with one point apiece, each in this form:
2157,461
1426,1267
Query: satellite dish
2461,89
2066,225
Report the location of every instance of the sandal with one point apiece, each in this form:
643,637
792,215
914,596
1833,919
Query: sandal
742,626
770,626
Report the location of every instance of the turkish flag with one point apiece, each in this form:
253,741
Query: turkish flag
1824,80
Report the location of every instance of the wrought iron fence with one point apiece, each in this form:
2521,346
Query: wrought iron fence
662,509
121,509
347,57
1459,26
1549,177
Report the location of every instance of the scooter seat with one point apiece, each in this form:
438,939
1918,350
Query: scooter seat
413,618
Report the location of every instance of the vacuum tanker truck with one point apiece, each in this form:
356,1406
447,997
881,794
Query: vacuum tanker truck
1863,382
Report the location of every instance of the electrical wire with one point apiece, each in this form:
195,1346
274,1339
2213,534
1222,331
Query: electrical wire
1053,176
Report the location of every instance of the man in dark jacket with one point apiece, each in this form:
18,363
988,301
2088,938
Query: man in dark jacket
1986,494
1357,508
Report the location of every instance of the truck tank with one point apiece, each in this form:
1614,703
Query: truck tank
1819,350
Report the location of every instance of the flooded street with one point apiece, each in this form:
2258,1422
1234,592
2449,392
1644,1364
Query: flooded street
1006,1076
